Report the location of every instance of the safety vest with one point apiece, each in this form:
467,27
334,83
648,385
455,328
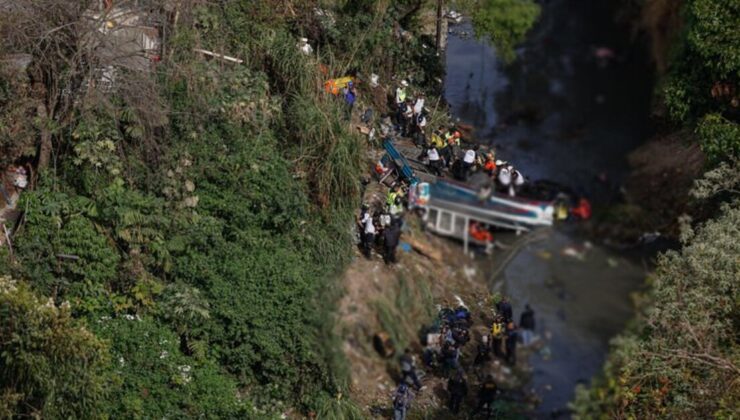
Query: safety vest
497,329
437,141
400,95
390,199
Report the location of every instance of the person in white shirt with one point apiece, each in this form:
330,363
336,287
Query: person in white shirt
419,104
369,239
435,163
468,162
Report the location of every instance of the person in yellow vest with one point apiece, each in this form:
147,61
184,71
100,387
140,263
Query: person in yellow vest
452,140
401,93
497,335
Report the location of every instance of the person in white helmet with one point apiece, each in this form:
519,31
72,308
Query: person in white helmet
435,163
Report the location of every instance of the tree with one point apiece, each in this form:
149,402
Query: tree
50,366
504,22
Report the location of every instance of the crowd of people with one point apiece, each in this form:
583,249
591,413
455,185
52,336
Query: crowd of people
444,356
445,151
382,227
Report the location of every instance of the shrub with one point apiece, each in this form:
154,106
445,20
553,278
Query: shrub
51,366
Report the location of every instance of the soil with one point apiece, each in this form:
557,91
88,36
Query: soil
400,300
656,192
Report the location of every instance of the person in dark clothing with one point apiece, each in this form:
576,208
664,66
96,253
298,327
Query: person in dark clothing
350,95
391,236
457,386
484,351
504,309
487,393
511,338
401,402
450,355
526,323
408,369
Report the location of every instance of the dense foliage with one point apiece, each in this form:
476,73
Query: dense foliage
189,217
51,365
504,22
681,358
703,85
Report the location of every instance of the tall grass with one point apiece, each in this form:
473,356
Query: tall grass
405,310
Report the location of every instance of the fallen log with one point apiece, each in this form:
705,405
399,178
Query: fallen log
424,248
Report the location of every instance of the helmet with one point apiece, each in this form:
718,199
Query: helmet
404,83
499,162
350,83
403,387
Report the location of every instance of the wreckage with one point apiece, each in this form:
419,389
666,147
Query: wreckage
449,207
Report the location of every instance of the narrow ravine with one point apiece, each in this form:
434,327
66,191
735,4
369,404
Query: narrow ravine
562,113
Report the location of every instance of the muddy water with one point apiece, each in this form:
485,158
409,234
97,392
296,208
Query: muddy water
560,113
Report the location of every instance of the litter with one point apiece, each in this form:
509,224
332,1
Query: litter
570,251
405,247
612,262
545,255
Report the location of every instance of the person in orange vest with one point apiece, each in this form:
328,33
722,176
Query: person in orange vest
479,233
583,210
490,166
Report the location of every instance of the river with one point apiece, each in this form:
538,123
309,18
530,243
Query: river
560,113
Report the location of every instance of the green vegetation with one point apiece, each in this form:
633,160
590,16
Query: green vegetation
702,88
51,364
189,223
504,22
680,357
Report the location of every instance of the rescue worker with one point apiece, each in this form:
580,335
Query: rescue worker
484,351
369,239
401,93
489,166
396,209
480,233
390,198
420,123
350,95
452,141
503,307
450,353
526,322
408,119
583,210
487,393
408,369
401,402
468,163
511,340
497,335
419,104
457,386
364,215
401,116
435,164
391,236
517,180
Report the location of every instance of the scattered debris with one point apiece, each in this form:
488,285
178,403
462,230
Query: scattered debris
219,56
